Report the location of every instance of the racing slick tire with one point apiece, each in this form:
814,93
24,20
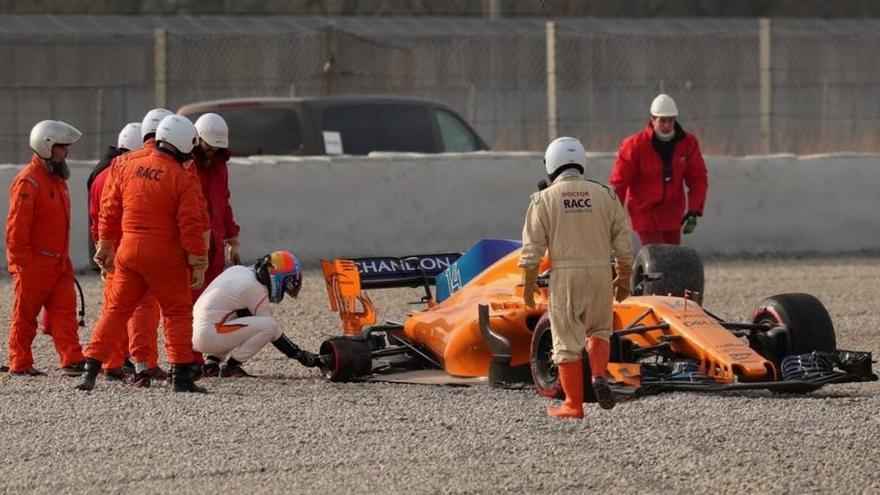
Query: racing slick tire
545,374
681,267
809,325
350,358
809,329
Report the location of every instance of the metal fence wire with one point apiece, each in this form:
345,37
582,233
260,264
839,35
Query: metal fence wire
742,86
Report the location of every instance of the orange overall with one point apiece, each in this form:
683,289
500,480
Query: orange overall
37,244
141,340
155,206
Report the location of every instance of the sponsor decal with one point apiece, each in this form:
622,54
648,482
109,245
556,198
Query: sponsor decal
678,303
698,323
453,280
411,265
580,204
741,356
576,201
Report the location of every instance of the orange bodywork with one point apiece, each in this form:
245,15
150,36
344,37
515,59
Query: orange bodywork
451,330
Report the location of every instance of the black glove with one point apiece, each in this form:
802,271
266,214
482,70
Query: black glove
309,360
689,222
293,351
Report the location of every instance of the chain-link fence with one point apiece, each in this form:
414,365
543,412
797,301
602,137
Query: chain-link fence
743,86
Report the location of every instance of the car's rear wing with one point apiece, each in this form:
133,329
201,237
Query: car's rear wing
345,280
409,271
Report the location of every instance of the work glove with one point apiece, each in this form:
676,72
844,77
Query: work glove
530,286
199,265
689,222
105,252
232,250
621,281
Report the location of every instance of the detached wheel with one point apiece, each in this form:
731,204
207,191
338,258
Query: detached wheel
545,374
809,324
681,267
351,358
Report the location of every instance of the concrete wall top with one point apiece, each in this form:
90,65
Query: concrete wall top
399,204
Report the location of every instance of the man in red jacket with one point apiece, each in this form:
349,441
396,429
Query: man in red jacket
650,173
37,247
209,162
210,158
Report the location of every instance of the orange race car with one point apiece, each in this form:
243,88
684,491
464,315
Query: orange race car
475,328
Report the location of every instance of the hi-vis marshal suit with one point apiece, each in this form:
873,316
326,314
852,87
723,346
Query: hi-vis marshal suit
580,222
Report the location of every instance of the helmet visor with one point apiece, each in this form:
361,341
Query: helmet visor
292,285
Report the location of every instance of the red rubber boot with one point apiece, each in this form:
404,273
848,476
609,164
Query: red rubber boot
571,375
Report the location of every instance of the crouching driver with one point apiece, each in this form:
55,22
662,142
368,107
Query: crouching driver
232,321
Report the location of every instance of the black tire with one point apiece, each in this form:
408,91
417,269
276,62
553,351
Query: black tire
545,375
809,329
544,372
681,267
351,358
809,324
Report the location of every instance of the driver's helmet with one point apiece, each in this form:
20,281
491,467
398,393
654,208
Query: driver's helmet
281,273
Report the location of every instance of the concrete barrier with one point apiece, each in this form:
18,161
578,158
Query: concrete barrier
397,204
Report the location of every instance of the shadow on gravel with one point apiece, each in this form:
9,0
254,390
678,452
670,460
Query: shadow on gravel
812,395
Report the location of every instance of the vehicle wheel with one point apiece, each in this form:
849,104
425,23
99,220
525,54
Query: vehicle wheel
681,267
351,358
545,375
809,325
809,329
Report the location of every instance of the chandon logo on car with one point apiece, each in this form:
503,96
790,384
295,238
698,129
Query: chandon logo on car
428,263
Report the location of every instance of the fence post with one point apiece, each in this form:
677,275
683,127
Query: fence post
766,85
160,61
552,117
99,120
494,9
328,71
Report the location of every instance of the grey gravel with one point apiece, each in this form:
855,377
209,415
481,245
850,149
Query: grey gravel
291,431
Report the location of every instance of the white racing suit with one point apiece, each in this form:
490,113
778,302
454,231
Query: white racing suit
231,317
581,223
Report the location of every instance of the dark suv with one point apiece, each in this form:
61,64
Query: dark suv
353,125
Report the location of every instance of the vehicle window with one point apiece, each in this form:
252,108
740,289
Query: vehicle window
366,128
456,136
406,128
261,130
356,126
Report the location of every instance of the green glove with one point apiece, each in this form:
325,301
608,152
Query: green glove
689,222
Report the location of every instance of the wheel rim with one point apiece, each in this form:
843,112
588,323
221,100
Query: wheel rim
545,369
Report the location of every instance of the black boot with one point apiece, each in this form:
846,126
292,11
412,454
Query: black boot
92,368
182,379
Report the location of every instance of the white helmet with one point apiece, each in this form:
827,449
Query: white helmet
664,106
48,133
213,130
151,121
130,137
177,131
564,151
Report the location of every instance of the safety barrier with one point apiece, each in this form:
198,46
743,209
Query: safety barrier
397,204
